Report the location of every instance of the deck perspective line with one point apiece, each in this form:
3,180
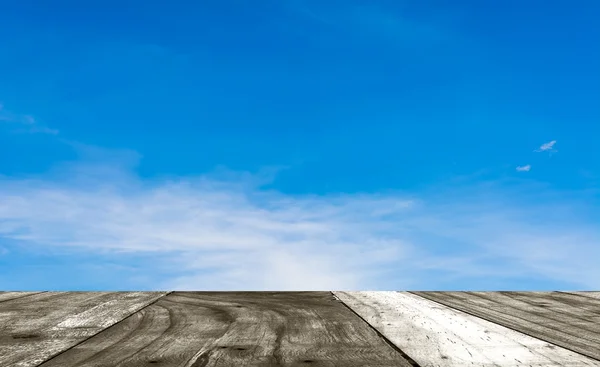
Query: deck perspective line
102,329
490,319
411,361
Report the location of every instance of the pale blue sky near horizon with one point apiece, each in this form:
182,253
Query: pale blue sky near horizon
299,144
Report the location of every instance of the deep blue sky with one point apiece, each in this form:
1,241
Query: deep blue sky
433,101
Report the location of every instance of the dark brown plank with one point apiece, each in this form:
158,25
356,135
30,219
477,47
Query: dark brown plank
568,320
195,329
37,327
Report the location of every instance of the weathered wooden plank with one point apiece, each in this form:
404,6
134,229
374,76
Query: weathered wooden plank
436,335
7,296
586,294
194,329
567,320
37,327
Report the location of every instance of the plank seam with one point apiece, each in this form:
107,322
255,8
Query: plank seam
411,361
101,330
23,296
506,326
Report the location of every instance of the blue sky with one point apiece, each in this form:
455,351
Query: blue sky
298,144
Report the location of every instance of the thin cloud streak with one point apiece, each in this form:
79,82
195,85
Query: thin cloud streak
547,147
231,234
525,168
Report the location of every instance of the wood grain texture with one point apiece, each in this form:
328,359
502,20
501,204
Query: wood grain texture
436,335
37,327
199,329
569,320
591,294
7,296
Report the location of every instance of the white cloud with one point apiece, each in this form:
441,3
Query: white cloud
228,233
525,168
547,147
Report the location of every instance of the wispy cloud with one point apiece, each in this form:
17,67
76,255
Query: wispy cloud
525,168
22,123
216,233
547,147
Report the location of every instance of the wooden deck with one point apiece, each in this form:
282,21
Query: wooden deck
197,329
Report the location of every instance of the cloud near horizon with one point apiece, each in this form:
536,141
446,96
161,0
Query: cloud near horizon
230,233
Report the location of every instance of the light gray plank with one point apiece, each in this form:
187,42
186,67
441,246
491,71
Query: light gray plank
7,296
37,327
201,329
436,335
567,320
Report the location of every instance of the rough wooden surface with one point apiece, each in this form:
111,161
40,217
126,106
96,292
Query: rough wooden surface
199,329
7,296
436,335
568,320
586,294
35,327
195,329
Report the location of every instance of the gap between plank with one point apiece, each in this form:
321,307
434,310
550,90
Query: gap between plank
411,361
101,330
506,326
